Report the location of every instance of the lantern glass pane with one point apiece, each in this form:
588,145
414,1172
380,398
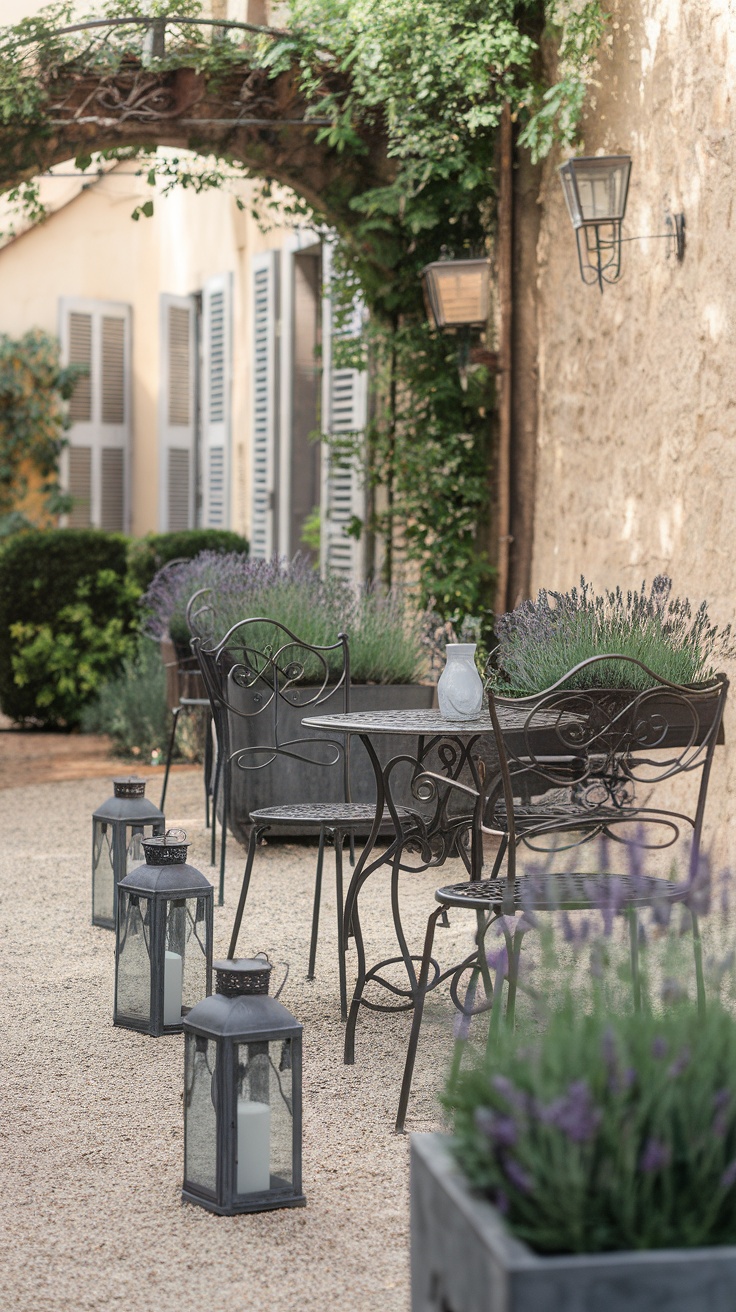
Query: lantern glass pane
265,1121
134,957
602,186
185,968
461,292
103,882
134,854
571,197
200,1118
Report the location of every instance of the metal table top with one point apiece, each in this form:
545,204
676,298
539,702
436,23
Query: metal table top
422,722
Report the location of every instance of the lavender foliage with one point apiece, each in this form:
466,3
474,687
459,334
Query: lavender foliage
540,641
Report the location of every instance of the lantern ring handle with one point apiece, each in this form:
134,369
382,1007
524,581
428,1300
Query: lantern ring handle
286,970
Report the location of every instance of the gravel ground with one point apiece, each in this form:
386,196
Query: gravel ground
91,1116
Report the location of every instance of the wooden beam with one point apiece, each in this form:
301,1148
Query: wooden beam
505,303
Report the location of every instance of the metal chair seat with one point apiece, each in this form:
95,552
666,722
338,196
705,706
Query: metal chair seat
333,815
559,891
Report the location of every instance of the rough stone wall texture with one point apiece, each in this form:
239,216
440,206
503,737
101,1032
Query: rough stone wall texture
636,458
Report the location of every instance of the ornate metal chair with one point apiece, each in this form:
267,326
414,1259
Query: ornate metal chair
617,744
185,691
258,673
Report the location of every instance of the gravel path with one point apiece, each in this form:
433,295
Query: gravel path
91,1116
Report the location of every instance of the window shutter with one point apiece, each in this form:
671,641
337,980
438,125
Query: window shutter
344,404
95,468
216,367
177,412
265,416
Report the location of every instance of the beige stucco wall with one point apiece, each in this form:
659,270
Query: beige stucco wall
636,461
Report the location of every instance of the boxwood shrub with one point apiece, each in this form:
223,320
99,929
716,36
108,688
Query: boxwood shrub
68,613
147,555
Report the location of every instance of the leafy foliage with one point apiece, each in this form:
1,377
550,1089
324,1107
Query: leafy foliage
131,708
147,555
67,611
541,640
33,386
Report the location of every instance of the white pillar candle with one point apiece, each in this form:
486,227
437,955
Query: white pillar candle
173,971
254,1147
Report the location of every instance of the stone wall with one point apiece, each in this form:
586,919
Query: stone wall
636,454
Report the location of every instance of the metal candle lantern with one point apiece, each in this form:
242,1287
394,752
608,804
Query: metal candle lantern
242,1096
118,828
457,293
163,947
596,188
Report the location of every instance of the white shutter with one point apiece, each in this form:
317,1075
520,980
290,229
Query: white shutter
265,407
177,412
344,405
216,379
96,465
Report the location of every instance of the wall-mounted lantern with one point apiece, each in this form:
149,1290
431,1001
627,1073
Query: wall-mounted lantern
596,189
457,293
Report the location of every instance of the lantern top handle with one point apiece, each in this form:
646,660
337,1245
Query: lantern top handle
167,849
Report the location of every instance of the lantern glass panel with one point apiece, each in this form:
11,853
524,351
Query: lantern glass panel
186,939
103,877
134,960
200,1118
601,185
134,854
460,292
264,1116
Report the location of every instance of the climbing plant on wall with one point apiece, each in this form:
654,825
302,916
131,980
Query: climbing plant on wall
382,116
33,387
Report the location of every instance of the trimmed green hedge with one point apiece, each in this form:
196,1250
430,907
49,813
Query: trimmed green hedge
68,613
147,555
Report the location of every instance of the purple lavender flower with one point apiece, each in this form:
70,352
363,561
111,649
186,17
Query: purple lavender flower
501,1201
728,1179
574,1114
516,1175
501,1130
655,1157
461,1026
659,1047
672,991
680,1064
721,1110
499,961
516,1098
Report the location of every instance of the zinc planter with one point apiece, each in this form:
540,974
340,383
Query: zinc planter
287,780
464,1259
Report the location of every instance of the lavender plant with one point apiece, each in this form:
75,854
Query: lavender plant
596,1127
541,640
385,634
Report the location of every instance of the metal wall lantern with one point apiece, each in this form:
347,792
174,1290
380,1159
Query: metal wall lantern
457,293
118,828
242,1096
596,188
163,947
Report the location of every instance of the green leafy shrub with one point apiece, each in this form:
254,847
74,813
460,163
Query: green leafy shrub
147,555
541,640
131,708
67,620
33,419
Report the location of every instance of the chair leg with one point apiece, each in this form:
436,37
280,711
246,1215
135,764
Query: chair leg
315,905
223,834
207,766
252,845
513,948
419,996
339,840
172,738
215,798
634,948
445,919
698,954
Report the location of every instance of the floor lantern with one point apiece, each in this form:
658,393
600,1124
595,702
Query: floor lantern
118,828
242,1096
163,947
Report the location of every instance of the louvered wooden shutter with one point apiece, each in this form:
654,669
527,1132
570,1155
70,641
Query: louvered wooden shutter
216,367
177,413
344,405
265,408
95,468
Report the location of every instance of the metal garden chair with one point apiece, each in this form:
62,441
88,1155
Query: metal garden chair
622,746
252,675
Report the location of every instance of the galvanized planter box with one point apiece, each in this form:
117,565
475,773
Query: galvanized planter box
286,780
464,1259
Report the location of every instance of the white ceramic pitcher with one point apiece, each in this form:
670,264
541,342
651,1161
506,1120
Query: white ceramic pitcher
460,688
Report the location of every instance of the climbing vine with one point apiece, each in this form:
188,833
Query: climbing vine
382,117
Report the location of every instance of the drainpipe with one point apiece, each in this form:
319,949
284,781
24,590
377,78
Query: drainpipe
505,301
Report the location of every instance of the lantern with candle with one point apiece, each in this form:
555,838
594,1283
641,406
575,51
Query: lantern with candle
163,949
242,1096
118,829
